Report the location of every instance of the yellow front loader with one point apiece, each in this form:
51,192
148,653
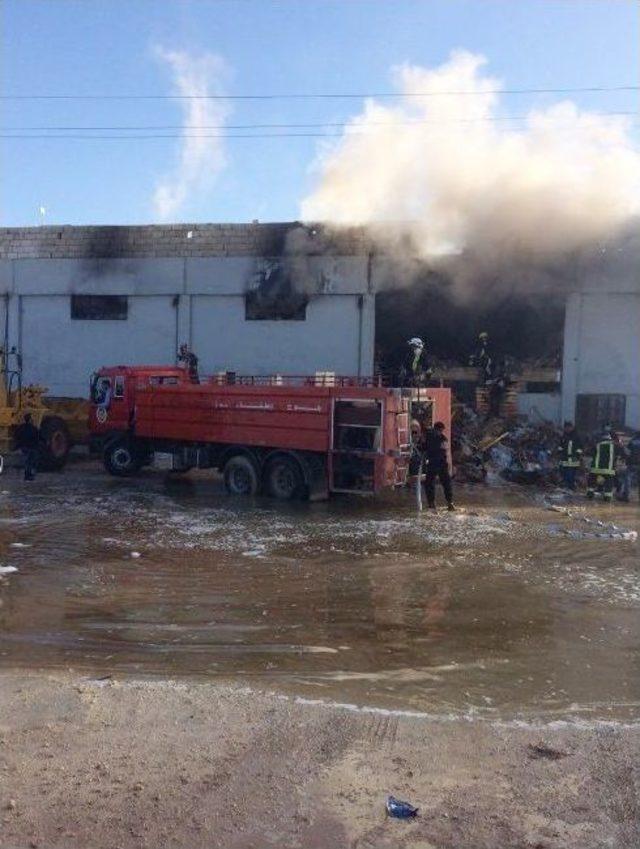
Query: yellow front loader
61,422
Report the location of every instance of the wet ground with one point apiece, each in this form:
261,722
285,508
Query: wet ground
504,609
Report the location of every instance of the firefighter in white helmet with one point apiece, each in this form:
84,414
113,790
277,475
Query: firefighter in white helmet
415,370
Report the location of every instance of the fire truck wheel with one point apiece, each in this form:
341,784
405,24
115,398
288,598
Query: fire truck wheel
240,476
283,478
121,458
56,443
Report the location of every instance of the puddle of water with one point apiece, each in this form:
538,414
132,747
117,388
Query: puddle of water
500,610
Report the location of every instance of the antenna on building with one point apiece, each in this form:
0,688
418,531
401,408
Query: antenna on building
42,212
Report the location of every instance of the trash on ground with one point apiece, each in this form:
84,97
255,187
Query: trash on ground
540,751
7,570
607,530
401,810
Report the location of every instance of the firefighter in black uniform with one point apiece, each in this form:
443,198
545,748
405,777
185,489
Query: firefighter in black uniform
602,475
482,358
435,453
190,360
415,370
570,450
27,438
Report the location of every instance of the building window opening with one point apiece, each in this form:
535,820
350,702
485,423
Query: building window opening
275,297
289,307
99,307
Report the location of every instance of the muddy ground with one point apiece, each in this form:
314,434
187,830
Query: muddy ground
181,669
152,764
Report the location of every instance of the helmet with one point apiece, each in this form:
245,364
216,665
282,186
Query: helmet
483,335
416,342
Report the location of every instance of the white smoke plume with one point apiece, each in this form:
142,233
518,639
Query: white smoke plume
200,159
472,185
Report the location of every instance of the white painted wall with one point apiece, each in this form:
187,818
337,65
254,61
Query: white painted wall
602,349
61,353
328,340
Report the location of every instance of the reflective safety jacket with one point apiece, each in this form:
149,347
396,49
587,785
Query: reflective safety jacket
570,450
604,459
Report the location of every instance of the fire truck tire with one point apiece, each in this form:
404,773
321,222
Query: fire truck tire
241,476
283,478
121,458
56,443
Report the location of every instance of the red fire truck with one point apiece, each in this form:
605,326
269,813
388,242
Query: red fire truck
285,437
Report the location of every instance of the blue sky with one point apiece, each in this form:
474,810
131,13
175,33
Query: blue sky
267,46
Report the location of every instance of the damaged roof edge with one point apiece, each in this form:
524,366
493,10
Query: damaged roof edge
181,240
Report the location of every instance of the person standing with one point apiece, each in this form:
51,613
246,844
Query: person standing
415,371
27,438
633,463
435,453
602,475
190,360
570,450
481,358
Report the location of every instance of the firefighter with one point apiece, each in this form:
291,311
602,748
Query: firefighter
633,465
435,453
497,386
570,451
190,360
602,475
415,370
27,438
623,483
482,359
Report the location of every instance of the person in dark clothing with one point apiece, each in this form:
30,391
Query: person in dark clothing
435,453
602,475
633,463
28,441
570,451
482,359
191,361
415,370
497,386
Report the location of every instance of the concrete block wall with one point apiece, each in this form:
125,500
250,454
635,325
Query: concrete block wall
177,240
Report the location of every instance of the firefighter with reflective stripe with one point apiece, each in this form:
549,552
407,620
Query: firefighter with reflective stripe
415,371
570,450
602,475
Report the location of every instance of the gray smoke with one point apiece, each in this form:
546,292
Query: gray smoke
483,202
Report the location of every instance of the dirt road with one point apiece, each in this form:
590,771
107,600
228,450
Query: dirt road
108,764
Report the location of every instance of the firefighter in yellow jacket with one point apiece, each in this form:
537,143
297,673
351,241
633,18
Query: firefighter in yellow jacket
602,474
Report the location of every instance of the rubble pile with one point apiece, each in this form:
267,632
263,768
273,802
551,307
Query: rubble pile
522,452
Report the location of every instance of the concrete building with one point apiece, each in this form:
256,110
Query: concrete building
273,299
601,362
244,297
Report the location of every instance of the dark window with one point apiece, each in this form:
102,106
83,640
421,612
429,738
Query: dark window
288,307
161,380
99,307
593,412
547,387
119,387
